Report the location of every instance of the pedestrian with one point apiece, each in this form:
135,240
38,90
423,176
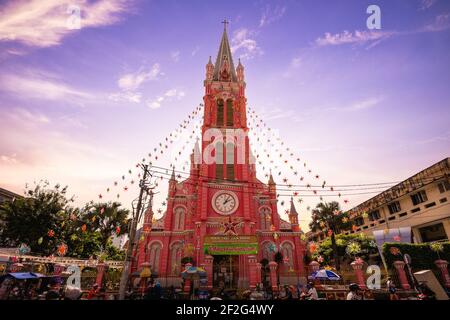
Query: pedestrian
390,285
311,293
355,292
287,293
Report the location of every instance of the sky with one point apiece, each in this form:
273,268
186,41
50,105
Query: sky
82,103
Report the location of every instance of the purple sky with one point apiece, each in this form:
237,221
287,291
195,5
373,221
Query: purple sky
81,107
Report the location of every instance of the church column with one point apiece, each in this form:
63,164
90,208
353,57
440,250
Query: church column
142,243
258,272
204,202
164,258
273,275
201,253
246,208
208,266
252,271
299,256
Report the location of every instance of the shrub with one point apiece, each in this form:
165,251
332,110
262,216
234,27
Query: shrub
422,255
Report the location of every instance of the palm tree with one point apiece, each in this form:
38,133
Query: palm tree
327,217
106,218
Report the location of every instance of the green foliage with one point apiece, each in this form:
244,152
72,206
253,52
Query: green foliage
328,217
422,255
31,218
105,218
28,220
366,244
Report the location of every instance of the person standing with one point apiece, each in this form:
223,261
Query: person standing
390,285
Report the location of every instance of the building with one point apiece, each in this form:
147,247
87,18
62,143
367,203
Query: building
6,195
222,216
421,202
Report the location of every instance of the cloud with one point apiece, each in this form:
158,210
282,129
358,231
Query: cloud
169,95
26,115
130,83
243,41
440,138
12,159
359,105
440,23
373,38
365,104
175,56
37,84
356,37
126,96
295,63
46,23
269,16
194,52
426,4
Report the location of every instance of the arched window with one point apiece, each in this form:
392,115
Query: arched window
287,250
268,251
155,252
176,251
265,215
180,215
230,160
219,160
229,113
219,113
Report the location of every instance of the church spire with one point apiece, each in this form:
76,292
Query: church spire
292,210
224,68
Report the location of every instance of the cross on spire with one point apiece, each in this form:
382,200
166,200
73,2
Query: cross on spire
225,22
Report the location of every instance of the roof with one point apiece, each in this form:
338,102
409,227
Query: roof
284,225
26,275
431,174
9,194
224,54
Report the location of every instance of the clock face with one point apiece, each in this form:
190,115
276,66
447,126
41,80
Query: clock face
225,202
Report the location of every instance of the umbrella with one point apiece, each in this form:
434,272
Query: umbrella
325,275
190,271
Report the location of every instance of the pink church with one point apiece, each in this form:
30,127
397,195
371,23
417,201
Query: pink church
222,217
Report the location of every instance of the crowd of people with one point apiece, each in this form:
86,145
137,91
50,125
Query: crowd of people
54,290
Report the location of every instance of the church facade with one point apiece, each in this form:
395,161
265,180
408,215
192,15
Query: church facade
222,218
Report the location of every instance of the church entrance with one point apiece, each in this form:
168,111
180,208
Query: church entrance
225,271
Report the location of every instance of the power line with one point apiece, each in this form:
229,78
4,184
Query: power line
263,189
376,185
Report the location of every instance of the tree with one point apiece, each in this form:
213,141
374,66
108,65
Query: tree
44,220
36,220
105,218
278,258
328,218
367,245
264,269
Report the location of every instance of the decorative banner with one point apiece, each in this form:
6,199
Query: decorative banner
230,245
